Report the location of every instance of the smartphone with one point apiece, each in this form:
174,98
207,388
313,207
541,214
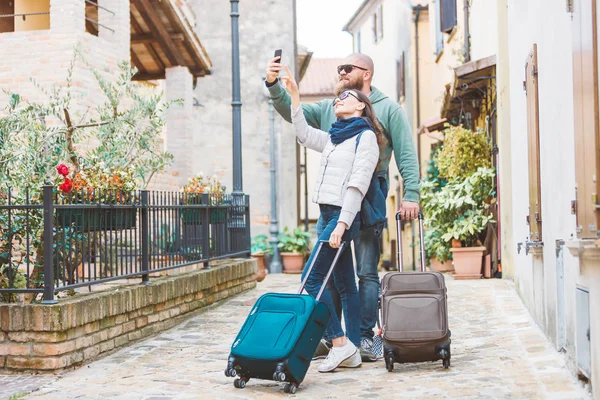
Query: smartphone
278,54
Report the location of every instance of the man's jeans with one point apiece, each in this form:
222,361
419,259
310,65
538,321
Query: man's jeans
343,276
368,250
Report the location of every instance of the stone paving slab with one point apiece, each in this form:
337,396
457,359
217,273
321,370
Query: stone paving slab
497,353
15,385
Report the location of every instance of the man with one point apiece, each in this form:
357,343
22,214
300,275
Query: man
357,73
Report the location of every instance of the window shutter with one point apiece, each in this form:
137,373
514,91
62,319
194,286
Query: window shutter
586,111
533,143
401,80
375,28
436,33
380,22
6,8
448,15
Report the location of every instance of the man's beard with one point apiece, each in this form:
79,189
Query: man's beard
349,84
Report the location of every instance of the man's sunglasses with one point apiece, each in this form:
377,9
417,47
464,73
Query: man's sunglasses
347,68
344,95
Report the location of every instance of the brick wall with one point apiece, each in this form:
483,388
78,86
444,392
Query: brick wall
45,55
36,337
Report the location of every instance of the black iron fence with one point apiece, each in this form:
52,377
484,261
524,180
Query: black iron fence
51,241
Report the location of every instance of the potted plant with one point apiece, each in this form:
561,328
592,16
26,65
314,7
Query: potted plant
458,213
259,249
436,249
294,246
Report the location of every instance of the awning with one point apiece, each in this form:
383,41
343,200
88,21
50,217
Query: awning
432,128
469,88
162,36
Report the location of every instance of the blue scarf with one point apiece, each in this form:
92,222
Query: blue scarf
345,128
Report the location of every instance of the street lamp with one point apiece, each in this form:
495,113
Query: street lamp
236,102
275,266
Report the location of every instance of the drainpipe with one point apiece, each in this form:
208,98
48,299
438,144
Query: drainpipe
467,34
417,12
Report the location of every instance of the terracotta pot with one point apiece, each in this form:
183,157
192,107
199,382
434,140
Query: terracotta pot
487,267
456,243
438,266
293,263
467,262
260,272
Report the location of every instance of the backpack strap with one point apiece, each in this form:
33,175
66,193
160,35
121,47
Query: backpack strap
358,140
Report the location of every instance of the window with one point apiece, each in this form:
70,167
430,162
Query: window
7,24
91,17
378,24
534,219
28,15
586,109
436,35
448,15
400,77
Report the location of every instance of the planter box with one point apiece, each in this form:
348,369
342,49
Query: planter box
91,219
196,216
467,262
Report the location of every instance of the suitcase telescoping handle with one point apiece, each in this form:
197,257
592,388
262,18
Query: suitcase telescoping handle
421,237
312,263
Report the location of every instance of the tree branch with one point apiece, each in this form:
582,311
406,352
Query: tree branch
70,147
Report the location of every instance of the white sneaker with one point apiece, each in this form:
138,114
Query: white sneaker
354,361
338,355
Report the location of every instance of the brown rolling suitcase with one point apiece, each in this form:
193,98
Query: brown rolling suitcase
414,313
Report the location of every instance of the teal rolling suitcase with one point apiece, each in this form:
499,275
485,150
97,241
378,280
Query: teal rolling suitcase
280,335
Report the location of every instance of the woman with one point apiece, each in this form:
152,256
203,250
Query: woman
350,153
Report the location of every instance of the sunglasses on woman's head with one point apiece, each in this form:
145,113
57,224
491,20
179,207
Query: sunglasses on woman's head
347,68
344,96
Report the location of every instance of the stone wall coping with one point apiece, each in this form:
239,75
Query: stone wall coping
101,306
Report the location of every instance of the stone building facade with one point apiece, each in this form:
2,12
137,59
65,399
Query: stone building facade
264,27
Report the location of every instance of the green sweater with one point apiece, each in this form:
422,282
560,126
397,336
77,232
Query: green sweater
397,132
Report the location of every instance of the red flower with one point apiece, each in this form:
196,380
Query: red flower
63,169
66,186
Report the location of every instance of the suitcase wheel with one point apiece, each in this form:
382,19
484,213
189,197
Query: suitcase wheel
230,372
240,383
389,362
290,388
279,376
446,363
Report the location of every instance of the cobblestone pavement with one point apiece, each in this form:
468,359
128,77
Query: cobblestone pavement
497,353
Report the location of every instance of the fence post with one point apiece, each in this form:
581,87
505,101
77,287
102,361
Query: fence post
248,239
145,237
206,215
48,246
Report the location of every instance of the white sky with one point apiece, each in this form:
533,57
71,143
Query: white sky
320,24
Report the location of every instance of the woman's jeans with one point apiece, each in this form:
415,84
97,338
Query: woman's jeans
343,276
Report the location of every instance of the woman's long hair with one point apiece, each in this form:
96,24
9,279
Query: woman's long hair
369,115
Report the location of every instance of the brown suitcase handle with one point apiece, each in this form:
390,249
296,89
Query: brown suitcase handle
421,237
310,267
